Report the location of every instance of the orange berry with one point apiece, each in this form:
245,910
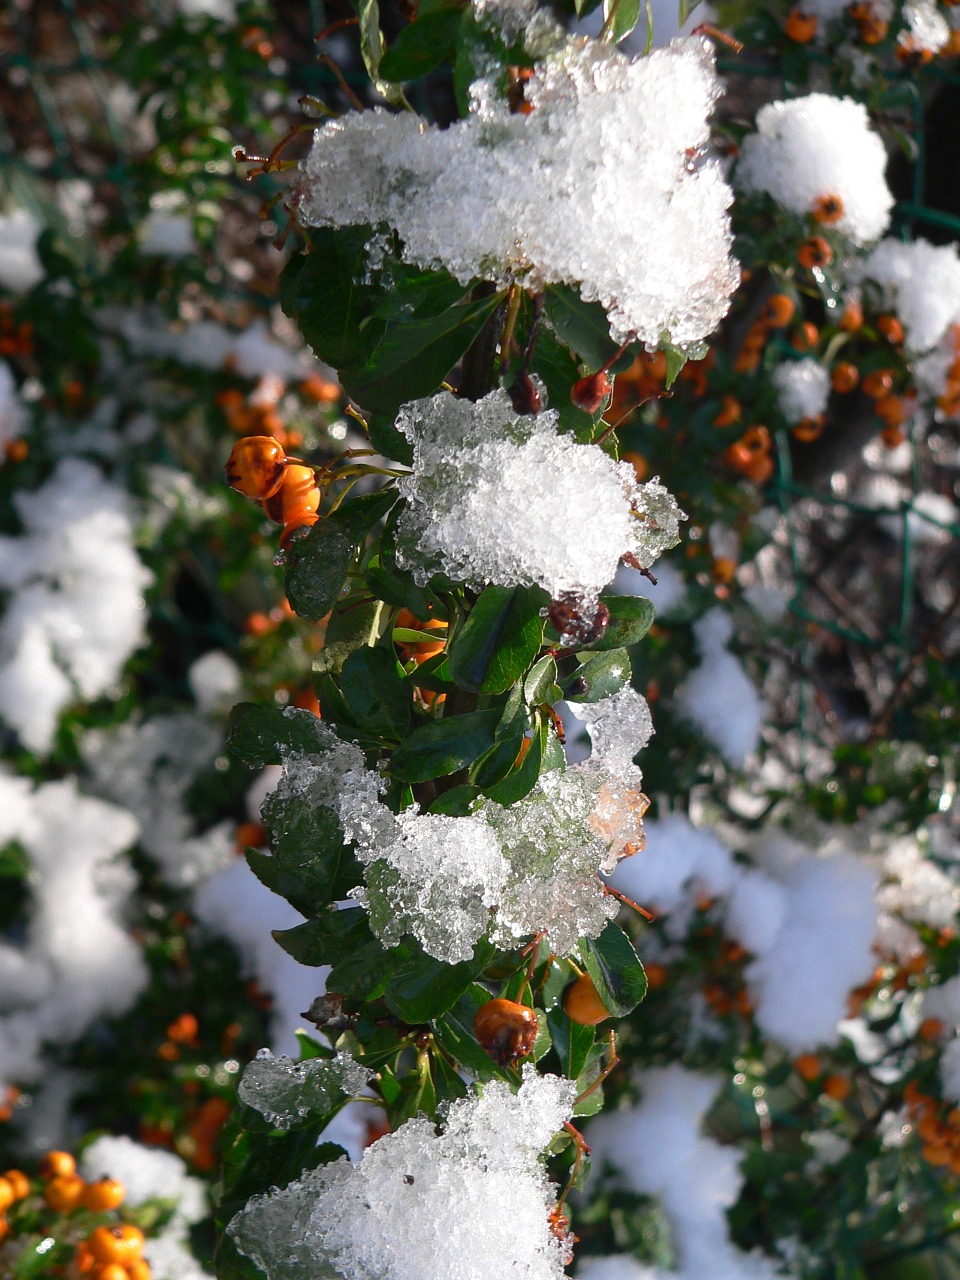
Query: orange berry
506,1030
656,363
800,27
103,1195
723,570
168,1052
892,437
805,338
845,377
20,1183
7,1194
249,835
891,410
582,1003
911,53
320,390
257,466
297,494
4,1229
877,384
852,318
16,451
747,362
121,1243
110,1271
57,1162
183,1030
778,310
730,412
827,210
814,252
809,429
807,1066
930,1029
836,1087
62,1193
757,337
936,1153
760,470
656,975
892,329
139,1269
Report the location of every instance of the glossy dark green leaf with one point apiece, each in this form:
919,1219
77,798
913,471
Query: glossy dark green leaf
457,802
421,988
615,969
559,369
399,589
354,622
327,938
499,640
571,1041
620,17
258,731
440,747
540,681
421,46
309,864
523,779
601,676
414,357
376,694
317,564
497,763
631,617
583,326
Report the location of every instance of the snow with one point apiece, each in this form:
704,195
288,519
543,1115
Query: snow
921,282
20,267
815,146
803,388
594,187
718,697
473,1201
496,497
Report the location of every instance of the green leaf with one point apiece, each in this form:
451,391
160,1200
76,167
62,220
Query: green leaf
440,747
583,326
415,355
372,47
540,681
423,45
327,938
601,676
499,640
571,1041
376,694
497,763
309,865
398,588
615,969
316,565
631,617
354,622
454,1031
258,731
524,778
554,363
421,988
620,17
675,362
686,8
457,802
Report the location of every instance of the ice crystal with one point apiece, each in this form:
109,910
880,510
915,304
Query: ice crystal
803,388
921,281
619,726
287,1093
554,854
817,146
465,1205
594,187
496,497
501,872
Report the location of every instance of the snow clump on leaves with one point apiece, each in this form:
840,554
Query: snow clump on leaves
473,1201
594,187
288,1093
803,388
508,499
921,282
819,146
